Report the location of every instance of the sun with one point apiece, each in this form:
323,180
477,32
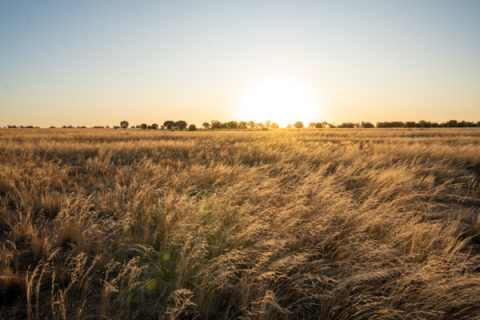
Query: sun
279,100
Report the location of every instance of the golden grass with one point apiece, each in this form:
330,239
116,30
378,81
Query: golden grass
285,224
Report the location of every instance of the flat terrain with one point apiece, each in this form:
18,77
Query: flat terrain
279,224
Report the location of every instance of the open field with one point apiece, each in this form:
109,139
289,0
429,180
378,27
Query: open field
287,224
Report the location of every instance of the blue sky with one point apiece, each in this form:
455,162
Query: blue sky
100,62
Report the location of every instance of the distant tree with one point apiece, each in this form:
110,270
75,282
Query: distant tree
51,127
251,124
347,125
116,127
206,125
275,126
162,127
169,124
105,127
318,125
143,126
64,127
367,125
471,124
298,124
461,124
192,127
154,126
181,124
216,124
133,127
434,124
425,124
268,124
452,123
478,123
232,124
260,125
242,125
124,124
410,124
312,125
289,126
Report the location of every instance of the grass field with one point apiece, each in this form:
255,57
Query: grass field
286,224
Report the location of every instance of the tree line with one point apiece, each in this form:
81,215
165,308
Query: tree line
215,124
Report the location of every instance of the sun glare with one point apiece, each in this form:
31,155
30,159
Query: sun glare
279,100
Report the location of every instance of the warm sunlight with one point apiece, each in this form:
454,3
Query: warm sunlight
279,100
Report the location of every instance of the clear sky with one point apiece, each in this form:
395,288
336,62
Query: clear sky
100,62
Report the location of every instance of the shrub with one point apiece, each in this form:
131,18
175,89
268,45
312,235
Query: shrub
298,124
192,127
181,124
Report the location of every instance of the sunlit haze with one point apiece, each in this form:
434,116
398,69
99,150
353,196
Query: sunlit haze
278,100
100,62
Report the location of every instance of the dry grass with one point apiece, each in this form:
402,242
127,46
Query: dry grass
288,224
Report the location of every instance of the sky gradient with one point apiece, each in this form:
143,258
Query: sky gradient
100,62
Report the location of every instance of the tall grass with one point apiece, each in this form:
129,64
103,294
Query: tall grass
286,224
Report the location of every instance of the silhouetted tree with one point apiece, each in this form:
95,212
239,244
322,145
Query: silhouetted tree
260,125
232,124
478,123
410,124
275,126
367,125
216,124
206,125
452,123
311,125
169,124
154,126
251,124
124,124
181,124
298,124
192,127
347,125
242,125
143,126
